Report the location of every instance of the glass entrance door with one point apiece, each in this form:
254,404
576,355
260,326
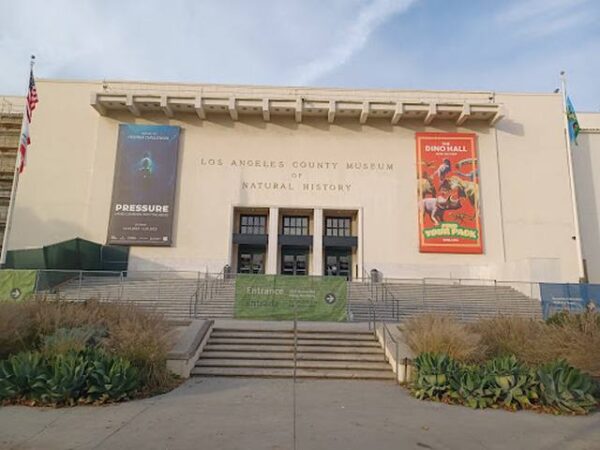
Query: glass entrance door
294,261
338,263
251,259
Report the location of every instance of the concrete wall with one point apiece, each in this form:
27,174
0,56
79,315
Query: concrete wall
525,193
586,162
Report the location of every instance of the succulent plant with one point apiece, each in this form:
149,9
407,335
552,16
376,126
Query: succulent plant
471,385
513,384
566,388
433,372
111,378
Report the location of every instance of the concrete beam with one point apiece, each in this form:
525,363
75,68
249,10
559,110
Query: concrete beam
398,113
95,103
431,113
364,114
298,113
266,112
232,109
499,115
131,106
464,115
331,112
199,107
164,104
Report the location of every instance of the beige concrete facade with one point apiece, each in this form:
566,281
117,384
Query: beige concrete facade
586,161
317,150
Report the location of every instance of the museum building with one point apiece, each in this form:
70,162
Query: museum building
312,181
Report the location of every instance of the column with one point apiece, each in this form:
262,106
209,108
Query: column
360,254
272,248
317,250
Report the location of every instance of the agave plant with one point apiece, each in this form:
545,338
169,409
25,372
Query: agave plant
433,375
7,389
111,378
566,388
65,380
20,372
472,386
513,384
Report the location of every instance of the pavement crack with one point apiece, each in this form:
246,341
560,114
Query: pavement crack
123,425
34,435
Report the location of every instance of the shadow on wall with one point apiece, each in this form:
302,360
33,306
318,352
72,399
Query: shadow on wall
29,230
510,127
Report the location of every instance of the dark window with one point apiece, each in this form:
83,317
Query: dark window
253,224
295,226
338,226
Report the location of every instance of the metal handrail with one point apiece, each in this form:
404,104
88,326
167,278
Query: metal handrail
193,304
394,300
385,329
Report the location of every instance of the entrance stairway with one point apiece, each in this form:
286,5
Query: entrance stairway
175,297
266,349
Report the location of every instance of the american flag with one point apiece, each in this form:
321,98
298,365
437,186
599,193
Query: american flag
30,102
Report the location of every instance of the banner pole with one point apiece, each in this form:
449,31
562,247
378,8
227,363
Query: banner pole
563,82
15,183
11,206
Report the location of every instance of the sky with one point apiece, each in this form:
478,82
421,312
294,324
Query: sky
492,45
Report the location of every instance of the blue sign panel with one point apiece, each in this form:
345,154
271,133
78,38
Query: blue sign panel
557,297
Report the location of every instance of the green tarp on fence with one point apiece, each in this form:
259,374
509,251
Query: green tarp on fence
64,259
16,284
74,254
274,297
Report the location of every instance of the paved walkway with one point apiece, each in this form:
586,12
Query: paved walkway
220,413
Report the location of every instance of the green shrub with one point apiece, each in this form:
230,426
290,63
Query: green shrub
57,327
566,388
21,373
433,375
66,379
111,378
504,382
513,384
471,386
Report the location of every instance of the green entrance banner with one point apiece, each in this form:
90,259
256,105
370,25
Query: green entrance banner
275,297
16,284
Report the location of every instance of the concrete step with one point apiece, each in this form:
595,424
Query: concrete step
249,334
310,328
301,342
311,356
289,364
289,348
288,373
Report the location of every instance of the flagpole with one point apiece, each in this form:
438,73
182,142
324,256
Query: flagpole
580,265
15,184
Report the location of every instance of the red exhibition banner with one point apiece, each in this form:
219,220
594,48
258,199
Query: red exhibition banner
448,187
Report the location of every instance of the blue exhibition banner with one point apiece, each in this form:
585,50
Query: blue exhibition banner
572,297
143,196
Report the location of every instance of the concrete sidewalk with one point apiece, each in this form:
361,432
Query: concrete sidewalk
244,413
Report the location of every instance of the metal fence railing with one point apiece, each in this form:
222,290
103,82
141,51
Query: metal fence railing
395,298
